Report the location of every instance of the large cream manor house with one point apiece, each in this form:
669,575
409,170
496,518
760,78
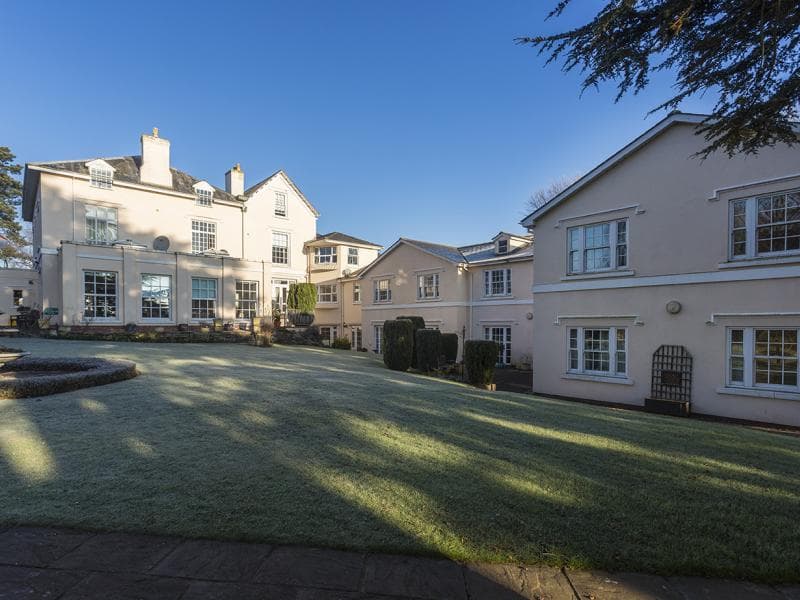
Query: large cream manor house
131,240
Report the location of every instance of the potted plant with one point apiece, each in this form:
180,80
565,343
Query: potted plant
276,317
301,301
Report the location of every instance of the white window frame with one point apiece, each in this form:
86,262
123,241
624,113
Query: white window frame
751,227
96,293
489,282
356,337
352,256
246,306
287,237
749,357
101,177
616,243
504,341
104,220
281,208
381,295
204,233
207,310
377,341
203,196
327,293
356,293
325,255
502,246
428,290
153,292
613,358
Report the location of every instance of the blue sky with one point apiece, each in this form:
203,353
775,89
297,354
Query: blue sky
420,119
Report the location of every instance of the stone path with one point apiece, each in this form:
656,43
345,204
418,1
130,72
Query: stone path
70,565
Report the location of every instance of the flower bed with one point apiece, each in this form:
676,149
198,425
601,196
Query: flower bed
45,376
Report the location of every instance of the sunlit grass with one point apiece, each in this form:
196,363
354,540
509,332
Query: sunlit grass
313,446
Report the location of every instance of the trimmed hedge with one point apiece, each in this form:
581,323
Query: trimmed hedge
341,343
419,323
450,347
398,344
480,357
429,348
73,374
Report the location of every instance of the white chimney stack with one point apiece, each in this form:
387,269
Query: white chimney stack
234,181
155,160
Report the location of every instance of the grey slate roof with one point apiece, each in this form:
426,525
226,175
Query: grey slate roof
337,236
126,168
450,253
470,254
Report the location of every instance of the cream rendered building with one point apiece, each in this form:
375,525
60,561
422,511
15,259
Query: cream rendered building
657,253
480,291
334,262
131,240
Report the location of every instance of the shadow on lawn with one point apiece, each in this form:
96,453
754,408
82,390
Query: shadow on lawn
257,446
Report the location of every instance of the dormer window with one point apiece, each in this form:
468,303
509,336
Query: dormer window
101,174
502,246
280,204
203,197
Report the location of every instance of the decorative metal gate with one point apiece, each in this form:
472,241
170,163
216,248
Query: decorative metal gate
671,378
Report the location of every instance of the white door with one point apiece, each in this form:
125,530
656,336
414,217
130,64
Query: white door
501,335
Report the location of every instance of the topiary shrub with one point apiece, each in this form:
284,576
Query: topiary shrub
429,348
450,347
55,375
419,323
301,300
398,344
480,357
341,343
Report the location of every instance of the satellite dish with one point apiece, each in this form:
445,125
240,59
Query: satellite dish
347,272
161,243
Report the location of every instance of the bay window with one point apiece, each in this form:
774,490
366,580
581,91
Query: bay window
325,255
597,351
765,225
763,357
597,247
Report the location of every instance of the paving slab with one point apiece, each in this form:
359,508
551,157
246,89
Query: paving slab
218,561
212,590
126,586
599,585
22,583
414,577
512,582
38,546
118,552
701,588
312,567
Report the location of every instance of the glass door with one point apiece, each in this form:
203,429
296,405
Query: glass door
280,294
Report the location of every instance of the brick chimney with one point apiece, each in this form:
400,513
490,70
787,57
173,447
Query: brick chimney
155,160
234,181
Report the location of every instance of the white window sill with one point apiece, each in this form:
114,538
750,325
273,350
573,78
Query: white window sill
100,321
498,297
382,302
145,321
736,263
759,393
429,299
598,378
327,304
598,275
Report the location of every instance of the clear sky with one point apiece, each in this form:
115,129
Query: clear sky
409,118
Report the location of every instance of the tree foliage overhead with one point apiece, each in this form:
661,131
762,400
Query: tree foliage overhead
13,244
745,51
543,195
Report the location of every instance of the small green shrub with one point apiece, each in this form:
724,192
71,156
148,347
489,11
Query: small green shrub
398,344
450,347
429,348
341,343
302,297
419,323
480,357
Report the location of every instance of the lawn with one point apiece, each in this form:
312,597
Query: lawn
322,447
